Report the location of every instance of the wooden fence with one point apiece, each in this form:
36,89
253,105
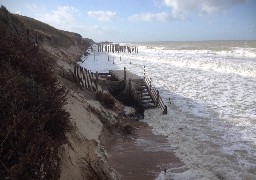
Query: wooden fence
90,81
87,79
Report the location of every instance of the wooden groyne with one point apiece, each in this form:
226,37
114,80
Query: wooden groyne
116,48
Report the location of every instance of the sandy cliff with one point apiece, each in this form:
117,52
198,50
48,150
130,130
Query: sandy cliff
83,156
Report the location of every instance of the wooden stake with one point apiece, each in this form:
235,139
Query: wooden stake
165,109
157,98
124,74
150,83
144,72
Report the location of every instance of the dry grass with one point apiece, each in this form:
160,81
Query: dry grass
105,99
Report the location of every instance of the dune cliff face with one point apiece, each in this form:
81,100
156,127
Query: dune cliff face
63,45
30,73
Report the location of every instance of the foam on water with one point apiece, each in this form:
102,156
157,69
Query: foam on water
211,122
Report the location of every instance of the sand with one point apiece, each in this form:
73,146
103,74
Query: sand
92,152
141,156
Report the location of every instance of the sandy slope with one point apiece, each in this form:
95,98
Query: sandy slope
83,157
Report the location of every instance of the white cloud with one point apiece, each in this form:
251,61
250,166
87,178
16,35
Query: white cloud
149,17
102,15
33,7
158,3
62,18
181,8
17,12
67,18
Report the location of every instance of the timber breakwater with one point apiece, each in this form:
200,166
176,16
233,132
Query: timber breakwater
116,48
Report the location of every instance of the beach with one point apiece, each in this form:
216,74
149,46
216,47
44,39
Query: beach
142,155
211,119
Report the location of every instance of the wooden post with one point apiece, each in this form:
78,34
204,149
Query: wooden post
85,78
113,60
82,79
94,56
75,68
124,74
97,80
130,61
150,84
81,76
144,72
165,109
77,75
120,58
90,77
108,58
93,82
157,98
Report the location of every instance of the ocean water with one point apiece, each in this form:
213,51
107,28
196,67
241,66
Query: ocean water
211,120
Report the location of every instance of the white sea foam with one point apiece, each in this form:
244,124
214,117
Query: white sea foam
211,122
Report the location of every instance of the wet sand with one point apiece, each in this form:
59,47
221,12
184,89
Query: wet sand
141,157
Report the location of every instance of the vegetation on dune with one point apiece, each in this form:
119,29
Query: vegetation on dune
51,40
33,121
105,99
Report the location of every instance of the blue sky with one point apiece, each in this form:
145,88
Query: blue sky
145,20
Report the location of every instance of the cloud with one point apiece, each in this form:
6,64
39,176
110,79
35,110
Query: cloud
17,12
67,18
33,7
102,15
62,17
149,17
181,8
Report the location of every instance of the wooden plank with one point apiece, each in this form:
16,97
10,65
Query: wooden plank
85,79
81,74
103,74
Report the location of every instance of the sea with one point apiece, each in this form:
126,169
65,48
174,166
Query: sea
209,88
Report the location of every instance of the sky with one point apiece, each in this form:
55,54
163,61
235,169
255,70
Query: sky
145,20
